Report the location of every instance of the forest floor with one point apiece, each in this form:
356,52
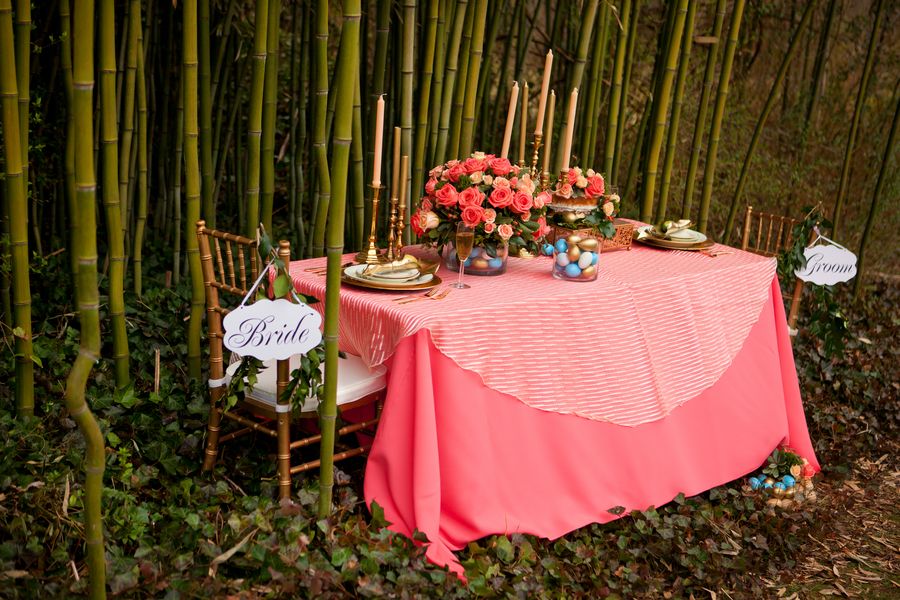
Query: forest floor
173,533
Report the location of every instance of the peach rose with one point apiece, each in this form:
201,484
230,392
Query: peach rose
505,231
501,197
471,197
430,220
489,215
488,179
471,215
476,177
542,200
609,208
500,166
489,227
525,184
522,202
572,176
452,163
581,181
446,196
565,190
429,186
436,172
501,182
595,187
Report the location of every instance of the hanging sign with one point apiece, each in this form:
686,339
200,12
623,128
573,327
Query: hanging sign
270,329
827,264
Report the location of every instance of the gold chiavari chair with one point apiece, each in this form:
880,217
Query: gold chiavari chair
263,409
768,235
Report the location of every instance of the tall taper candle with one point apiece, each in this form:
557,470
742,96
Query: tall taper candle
395,171
570,130
549,137
545,87
379,139
523,125
510,118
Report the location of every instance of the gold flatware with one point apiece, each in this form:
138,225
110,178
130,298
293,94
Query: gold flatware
429,294
714,253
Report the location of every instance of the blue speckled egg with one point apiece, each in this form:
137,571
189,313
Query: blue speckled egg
780,486
468,262
788,481
754,483
561,245
476,252
573,270
766,484
547,249
596,257
495,263
562,260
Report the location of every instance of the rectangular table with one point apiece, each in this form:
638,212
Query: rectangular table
528,404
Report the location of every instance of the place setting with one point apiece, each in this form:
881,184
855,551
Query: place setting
676,235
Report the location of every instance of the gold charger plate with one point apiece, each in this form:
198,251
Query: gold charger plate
672,245
389,287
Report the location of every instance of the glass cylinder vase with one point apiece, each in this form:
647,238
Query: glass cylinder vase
481,261
575,258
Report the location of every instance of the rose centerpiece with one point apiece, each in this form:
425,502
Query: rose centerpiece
489,194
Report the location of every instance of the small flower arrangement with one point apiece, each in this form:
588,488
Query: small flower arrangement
487,193
786,478
577,183
577,188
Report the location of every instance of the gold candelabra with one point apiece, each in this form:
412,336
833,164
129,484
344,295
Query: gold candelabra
370,256
538,137
392,234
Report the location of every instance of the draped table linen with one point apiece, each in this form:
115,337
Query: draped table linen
527,404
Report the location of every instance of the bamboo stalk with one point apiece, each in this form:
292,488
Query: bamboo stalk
320,141
767,108
453,53
110,189
437,81
17,206
357,172
588,17
23,80
126,122
857,115
680,81
65,26
408,42
626,84
715,131
819,65
700,124
660,110
142,171
616,99
595,86
348,60
192,183
427,72
468,118
87,295
459,93
254,120
176,186
206,163
877,196
269,112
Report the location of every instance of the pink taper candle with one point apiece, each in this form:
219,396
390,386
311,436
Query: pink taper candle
570,129
510,117
379,137
523,124
545,87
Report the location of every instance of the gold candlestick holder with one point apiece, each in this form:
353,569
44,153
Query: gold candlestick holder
370,255
401,226
538,138
392,235
545,181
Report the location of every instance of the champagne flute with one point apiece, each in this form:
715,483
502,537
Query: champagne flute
465,238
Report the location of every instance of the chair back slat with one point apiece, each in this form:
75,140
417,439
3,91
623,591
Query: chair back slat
766,234
229,255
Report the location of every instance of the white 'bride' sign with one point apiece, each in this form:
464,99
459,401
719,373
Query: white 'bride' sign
275,329
827,264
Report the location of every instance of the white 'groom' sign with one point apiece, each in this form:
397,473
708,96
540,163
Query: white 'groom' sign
827,265
272,329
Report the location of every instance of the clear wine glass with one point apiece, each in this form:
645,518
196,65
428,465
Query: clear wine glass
465,239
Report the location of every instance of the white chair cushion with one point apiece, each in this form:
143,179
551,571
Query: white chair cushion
355,381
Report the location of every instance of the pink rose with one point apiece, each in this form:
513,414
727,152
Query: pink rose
595,187
565,190
489,215
808,470
471,197
541,200
572,176
475,164
522,202
525,216
417,223
501,182
436,172
429,187
525,184
425,204
501,197
501,166
452,163
505,231
489,227
514,183
456,171
446,196
471,215
542,229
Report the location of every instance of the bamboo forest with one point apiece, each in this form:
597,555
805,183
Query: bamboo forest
241,244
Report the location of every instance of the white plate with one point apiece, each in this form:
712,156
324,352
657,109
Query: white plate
398,275
355,272
688,235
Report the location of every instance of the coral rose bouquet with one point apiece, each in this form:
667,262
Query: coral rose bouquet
487,193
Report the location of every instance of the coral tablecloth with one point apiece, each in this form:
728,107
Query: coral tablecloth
458,456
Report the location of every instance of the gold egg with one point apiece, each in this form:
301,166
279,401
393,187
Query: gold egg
588,244
569,217
479,263
573,239
772,501
589,272
778,491
769,480
790,492
573,253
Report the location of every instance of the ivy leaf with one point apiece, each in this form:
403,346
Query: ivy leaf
282,285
